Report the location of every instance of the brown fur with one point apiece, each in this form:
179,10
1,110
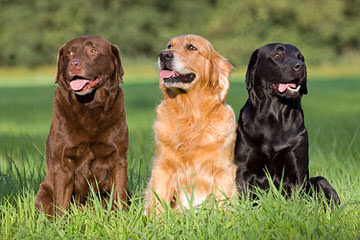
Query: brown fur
194,131
88,138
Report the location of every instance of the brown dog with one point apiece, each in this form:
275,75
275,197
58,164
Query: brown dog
88,138
194,127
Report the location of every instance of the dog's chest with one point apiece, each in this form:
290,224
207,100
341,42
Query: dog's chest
188,131
270,136
184,134
90,161
89,151
93,123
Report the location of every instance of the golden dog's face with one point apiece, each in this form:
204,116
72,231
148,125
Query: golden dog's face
190,62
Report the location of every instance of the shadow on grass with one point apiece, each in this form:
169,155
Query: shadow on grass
22,172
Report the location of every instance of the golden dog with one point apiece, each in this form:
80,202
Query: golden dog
194,127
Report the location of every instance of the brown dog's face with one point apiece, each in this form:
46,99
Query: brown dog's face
190,61
88,62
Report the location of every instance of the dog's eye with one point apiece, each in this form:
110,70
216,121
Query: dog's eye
93,51
301,57
69,53
169,46
276,55
191,47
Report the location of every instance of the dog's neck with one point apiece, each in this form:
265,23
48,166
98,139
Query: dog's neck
271,109
263,118
98,101
88,116
261,102
200,102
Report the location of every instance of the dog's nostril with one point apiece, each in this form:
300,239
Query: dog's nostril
298,66
166,55
75,64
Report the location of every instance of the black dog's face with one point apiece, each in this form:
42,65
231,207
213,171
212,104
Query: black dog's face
277,69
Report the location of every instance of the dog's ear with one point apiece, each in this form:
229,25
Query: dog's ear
250,73
119,71
303,88
59,63
220,78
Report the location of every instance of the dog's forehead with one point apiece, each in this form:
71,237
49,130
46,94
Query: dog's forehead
88,41
269,48
197,41
291,48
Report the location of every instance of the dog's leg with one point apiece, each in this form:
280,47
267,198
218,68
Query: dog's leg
63,188
161,184
44,198
225,183
121,192
329,191
55,191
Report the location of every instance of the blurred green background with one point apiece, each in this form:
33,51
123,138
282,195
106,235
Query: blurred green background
326,31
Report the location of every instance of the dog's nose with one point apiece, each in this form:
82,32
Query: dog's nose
298,66
166,55
75,65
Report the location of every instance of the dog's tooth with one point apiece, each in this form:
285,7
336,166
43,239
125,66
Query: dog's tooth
293,90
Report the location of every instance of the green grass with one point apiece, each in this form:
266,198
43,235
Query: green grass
332,113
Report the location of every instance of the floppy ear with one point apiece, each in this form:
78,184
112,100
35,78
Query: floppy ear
303,88
59,63
250,73
220,77
119,71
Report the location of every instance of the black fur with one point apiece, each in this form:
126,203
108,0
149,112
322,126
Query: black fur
271,134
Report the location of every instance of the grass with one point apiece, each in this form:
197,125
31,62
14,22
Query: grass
332,114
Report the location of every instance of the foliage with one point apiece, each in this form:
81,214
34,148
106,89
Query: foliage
32,31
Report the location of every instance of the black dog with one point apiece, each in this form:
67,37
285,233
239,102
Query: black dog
271,134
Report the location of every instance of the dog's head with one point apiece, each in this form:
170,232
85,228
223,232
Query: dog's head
86,63
189,63
277,69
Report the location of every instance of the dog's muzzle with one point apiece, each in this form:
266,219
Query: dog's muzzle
169,75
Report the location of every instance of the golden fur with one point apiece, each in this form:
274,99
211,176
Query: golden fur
194,130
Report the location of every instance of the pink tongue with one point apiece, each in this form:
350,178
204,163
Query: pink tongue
292,85
77,85
282,86
166,73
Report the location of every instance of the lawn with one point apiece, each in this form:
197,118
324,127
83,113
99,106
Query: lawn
332,117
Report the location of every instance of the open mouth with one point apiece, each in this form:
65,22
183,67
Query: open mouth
292,87
82,86
171,76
